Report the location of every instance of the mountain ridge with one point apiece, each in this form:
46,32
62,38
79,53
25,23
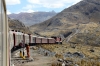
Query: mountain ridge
32,18
82,12
71,19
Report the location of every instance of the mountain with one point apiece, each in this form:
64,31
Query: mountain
17,25
72,21
32,18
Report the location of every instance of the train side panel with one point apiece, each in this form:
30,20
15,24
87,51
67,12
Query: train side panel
11,40
26,39
19,38
30,38
33,39
51,40
44,40
38,40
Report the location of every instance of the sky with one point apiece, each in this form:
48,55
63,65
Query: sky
17,6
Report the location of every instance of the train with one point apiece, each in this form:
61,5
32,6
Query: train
10,40
17,37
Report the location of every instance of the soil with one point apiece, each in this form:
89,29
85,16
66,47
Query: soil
38,59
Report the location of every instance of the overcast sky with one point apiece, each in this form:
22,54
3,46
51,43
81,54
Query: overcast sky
17,6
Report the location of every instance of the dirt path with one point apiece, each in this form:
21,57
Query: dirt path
77,30
38,60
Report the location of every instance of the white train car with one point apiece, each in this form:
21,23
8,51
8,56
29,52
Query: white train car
4,45
15,38
11,39
18,38
26,38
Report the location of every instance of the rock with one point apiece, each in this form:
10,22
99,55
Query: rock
76,65
63,64
34,48
92,50
68,61
23,62
68,54
46,52
31,59
78,54
60,60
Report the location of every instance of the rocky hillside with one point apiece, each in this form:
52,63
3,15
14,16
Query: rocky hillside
17,25
70,19
90,34
32,18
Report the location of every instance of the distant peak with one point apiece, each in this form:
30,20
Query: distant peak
53,11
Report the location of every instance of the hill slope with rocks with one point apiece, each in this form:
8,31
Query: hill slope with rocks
17,25
32,18
85,13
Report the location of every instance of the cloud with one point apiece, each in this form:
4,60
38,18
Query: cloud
53,3
28,7
12,2
28,11
25,11
8,12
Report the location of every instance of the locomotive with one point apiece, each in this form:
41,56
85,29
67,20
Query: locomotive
17,37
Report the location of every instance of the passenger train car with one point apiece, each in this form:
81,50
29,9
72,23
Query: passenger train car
17,38
4,45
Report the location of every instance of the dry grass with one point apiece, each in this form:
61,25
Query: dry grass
85,49
56,64
90,26
92,32
49,34
79,62
84,62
